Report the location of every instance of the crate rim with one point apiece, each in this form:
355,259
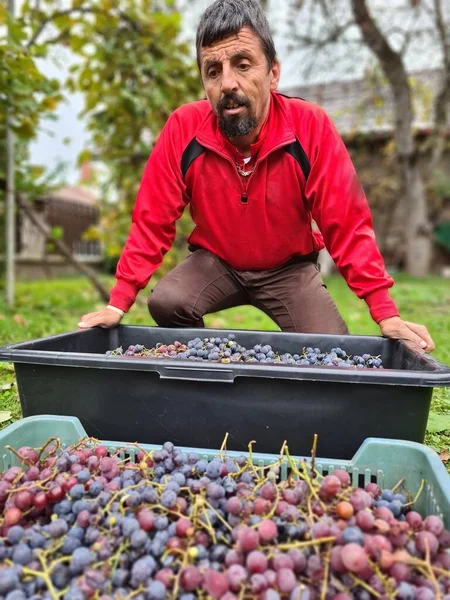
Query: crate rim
427,452
438,375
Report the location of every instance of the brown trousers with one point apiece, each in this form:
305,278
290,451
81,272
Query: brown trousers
293,295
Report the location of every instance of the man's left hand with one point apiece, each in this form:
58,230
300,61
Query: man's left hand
397,329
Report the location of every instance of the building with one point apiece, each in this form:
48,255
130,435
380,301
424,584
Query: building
69,212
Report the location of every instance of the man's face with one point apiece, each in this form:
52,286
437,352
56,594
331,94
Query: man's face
237,82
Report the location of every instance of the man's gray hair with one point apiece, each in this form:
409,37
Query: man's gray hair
227,17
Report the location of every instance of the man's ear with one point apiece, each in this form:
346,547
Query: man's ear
275,74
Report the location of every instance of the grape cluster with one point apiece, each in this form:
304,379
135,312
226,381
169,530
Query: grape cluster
83,523
228,350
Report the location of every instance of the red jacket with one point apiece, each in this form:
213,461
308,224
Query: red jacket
303,172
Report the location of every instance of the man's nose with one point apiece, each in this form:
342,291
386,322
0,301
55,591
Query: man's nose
229,83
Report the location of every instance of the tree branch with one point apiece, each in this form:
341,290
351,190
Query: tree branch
394,70
81,10
332,37
442,100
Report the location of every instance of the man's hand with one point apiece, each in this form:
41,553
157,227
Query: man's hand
397,329
106,318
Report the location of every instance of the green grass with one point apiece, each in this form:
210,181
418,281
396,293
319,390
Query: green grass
49,307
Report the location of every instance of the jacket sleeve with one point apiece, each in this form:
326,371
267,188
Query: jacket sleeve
160,202
341,210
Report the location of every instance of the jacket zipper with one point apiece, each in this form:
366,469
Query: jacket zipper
244,187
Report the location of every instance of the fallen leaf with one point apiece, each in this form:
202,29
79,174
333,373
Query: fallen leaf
6,387
5,415
238,318
20,320
217,323
445,456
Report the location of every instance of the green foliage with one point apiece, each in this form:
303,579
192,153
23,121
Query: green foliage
29,97
133,71
25,92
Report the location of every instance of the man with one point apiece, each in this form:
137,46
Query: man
256,168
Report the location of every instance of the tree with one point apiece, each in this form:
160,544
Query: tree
389,35
133,71
30,97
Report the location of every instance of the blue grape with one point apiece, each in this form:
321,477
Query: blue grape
149,495
143,569
61,576
387,495
129,524
74,593
168,499
16,595
353,535
77,491
161,522
70,544
156,591
83,476
8,580
138,539
22,554
95,488
15,534
120,577
81,559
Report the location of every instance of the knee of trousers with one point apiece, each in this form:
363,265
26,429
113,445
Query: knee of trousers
168,308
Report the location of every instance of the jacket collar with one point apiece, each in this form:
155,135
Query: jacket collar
276,132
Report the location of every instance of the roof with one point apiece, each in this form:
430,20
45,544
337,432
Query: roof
364,106
73,193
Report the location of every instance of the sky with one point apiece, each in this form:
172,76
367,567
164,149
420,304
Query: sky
51,146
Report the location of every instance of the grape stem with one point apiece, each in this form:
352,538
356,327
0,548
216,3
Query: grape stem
223,447
422,485
326,572
135,593
22,459
430,570
398,484
47,443
250,458
316,542
221,519
313,456
365,585
386,581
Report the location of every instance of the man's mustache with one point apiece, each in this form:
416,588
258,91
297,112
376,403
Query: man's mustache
232,99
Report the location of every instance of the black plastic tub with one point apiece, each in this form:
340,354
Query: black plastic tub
196,404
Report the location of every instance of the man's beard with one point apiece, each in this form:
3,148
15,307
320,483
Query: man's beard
233,126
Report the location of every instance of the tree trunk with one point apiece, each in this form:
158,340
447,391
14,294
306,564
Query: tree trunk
442,100
419,246
63,248
417,238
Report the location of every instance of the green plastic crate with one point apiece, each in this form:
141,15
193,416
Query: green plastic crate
34,432
383,461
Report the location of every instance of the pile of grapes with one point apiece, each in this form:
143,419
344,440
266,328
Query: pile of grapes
81,523
228,350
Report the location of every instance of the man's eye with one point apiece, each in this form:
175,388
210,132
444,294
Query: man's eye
243,66
212,73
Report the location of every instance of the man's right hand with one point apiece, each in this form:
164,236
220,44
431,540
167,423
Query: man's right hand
106,318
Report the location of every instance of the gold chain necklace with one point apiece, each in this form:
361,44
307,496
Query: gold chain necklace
244,173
